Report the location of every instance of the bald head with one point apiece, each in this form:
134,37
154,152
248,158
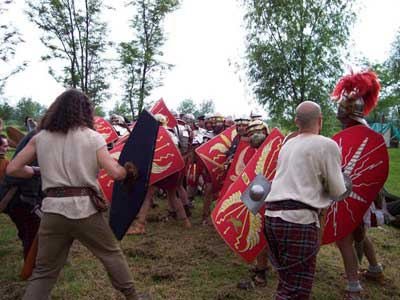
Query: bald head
308,116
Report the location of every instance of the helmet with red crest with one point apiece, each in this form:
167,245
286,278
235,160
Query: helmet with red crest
357,95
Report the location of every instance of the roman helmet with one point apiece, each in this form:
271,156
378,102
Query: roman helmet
257,126
357,95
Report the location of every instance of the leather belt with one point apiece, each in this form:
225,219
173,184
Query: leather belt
288,205
69,191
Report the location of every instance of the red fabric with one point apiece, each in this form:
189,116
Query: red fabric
169,182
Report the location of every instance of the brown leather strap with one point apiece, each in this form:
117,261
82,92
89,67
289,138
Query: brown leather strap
69,191
288,205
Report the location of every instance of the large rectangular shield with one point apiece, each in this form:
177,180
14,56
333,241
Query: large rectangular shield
105,129
167,158
161,108
139,149
244,153
235,223
213,155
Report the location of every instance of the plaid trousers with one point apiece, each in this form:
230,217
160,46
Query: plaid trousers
292,249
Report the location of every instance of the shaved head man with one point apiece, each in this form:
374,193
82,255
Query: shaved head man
308,175
308,117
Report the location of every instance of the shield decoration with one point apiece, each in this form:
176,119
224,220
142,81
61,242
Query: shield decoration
167,158
365,160
242,156
106,182
235,223
105,129
213,155
139,149
161,108
192,174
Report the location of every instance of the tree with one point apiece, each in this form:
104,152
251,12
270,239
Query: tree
26,107
141,57
120,108
6,111
294,51
9,39
73,33
187,106
206,107
391,80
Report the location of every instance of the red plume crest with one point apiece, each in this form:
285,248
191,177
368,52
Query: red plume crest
364,85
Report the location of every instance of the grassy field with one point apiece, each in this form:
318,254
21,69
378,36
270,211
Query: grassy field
393,182
176,264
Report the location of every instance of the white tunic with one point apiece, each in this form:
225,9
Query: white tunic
309,171
69,160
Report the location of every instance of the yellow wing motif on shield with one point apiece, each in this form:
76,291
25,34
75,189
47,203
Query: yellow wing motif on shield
233,199
219,147
255,226
157,169
263,157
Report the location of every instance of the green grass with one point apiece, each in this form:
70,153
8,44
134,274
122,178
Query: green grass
393,182
177,264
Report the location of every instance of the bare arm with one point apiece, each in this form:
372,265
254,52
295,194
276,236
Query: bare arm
112,167
18,167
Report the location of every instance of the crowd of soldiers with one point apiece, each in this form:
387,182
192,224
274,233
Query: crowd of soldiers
189,134
21,190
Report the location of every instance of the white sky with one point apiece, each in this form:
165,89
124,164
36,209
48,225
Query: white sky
203,37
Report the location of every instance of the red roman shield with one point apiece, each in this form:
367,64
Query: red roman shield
242,156
365,160
239,228
213,155
161,108
105,129
167,158
106,182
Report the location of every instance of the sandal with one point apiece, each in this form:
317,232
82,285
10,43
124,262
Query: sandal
253,282
137,229
377,277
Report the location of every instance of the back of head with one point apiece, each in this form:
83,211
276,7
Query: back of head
308,114
71,109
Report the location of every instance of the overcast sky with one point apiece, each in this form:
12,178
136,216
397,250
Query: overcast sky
204,36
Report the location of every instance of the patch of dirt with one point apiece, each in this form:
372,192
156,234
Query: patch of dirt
11,290
141,252
162,273
228,293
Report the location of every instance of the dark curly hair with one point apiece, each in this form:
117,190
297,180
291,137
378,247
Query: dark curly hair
70,110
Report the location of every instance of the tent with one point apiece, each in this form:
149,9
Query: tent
390,133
